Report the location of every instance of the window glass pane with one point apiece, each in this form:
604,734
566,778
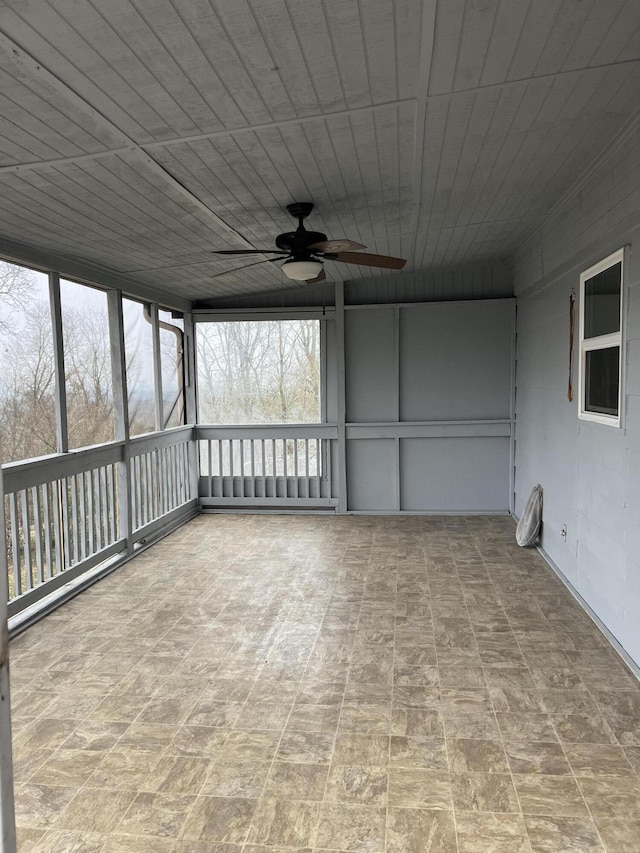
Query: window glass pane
138,346
259,372
602,377
602,302
171,362
87,363
27,376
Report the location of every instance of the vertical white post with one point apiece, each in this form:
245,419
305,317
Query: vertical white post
397,406
7,814
121,407
342,401
58,355
157,368
190,405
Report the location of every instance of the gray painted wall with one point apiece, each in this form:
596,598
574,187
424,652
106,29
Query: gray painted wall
428,406
590,473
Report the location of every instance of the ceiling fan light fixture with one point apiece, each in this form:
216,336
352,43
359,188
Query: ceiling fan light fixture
302,270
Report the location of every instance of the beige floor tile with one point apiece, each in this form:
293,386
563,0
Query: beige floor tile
224,819
418,830
177,775
366,785
305,747
633,757
95,736
488,832
147,737
356,829
471,724
27,761
40,805
484,792
620,834
416,722
313,718
124,770
65,841
366,717
67,768
412,787
356,748
527,727
284,823
563,834
138,844
428,753
44,733
174,710
161,815
262,716
203,741
476,756
555,795
537,756
287,780
248,746
582,728
28,837
595,759
212,712
610,797
94,810
244,779
516,699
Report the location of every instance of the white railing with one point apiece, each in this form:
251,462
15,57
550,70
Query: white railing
161,475
67,513
285,466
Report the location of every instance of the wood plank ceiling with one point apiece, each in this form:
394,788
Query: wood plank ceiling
137,135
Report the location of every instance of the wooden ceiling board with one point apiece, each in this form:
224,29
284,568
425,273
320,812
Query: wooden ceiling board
38,121
75,53
143,134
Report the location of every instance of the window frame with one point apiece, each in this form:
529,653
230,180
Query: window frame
607,341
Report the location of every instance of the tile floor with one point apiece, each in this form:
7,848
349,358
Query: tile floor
260,684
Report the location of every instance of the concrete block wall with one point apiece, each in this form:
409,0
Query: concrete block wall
590,472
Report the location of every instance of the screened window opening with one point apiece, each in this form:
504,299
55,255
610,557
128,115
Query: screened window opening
259,372
171,332
27,371
138,347
87,364
601,298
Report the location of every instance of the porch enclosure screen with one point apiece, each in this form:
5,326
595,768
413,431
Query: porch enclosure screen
93,436
260,413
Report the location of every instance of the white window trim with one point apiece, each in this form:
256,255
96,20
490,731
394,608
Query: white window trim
601,342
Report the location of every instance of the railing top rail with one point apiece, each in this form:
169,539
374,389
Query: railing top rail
45,469
155,440
266,431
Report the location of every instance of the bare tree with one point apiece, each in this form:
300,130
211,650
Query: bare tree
16,288
259,372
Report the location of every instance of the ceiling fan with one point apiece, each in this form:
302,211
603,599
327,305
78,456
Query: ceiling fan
306,251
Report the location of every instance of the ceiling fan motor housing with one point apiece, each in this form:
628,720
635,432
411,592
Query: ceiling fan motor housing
297,242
